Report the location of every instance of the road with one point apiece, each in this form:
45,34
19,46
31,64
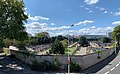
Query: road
112,68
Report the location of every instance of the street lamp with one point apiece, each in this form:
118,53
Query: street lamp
68,61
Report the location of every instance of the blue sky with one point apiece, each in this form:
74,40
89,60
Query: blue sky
91,17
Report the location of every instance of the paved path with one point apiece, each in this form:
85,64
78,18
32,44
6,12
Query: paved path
13,66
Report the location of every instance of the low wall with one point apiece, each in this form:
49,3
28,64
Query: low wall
85,61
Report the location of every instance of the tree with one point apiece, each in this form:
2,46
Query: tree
57,48
83,41
43,37
9,42
106,40
12,19
64,43
116,34
1,43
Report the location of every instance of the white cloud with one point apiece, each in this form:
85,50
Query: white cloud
105,12
93,27
36,18
87,8
95,30
25,9
116,23
117,13
89,2
101,9
52,23
90,11
111,12
84,22
89,31
36,27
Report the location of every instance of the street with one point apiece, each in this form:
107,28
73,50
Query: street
112,68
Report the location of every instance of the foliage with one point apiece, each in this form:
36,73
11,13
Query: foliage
12,18
46,65
32,41
59,37
1,43
116,34
42,34
98,51
10,42
83,41
43,37
57,48
75,67
71,50
106,40
64,43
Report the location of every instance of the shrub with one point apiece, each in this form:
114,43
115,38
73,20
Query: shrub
45,65
98,51
55,65
75,67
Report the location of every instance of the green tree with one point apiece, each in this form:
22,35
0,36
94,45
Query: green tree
9,42
57,48
106,40
12,18
83,41
43,37
116,34
64,43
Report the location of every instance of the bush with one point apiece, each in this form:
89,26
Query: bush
75,67
55,65
99,51
45,65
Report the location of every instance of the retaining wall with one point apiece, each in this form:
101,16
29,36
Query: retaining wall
85,61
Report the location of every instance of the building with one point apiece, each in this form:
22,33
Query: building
109,34
94,36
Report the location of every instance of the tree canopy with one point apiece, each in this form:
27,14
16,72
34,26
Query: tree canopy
43,37
106,40
57,48
116,33
83,41
12,19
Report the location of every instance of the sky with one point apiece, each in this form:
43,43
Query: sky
89,17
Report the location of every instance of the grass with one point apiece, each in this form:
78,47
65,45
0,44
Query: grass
71,50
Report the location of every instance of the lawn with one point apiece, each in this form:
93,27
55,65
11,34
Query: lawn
71,50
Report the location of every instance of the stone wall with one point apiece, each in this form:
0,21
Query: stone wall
85,61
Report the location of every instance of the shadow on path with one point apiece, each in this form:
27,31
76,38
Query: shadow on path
95,68
10,65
